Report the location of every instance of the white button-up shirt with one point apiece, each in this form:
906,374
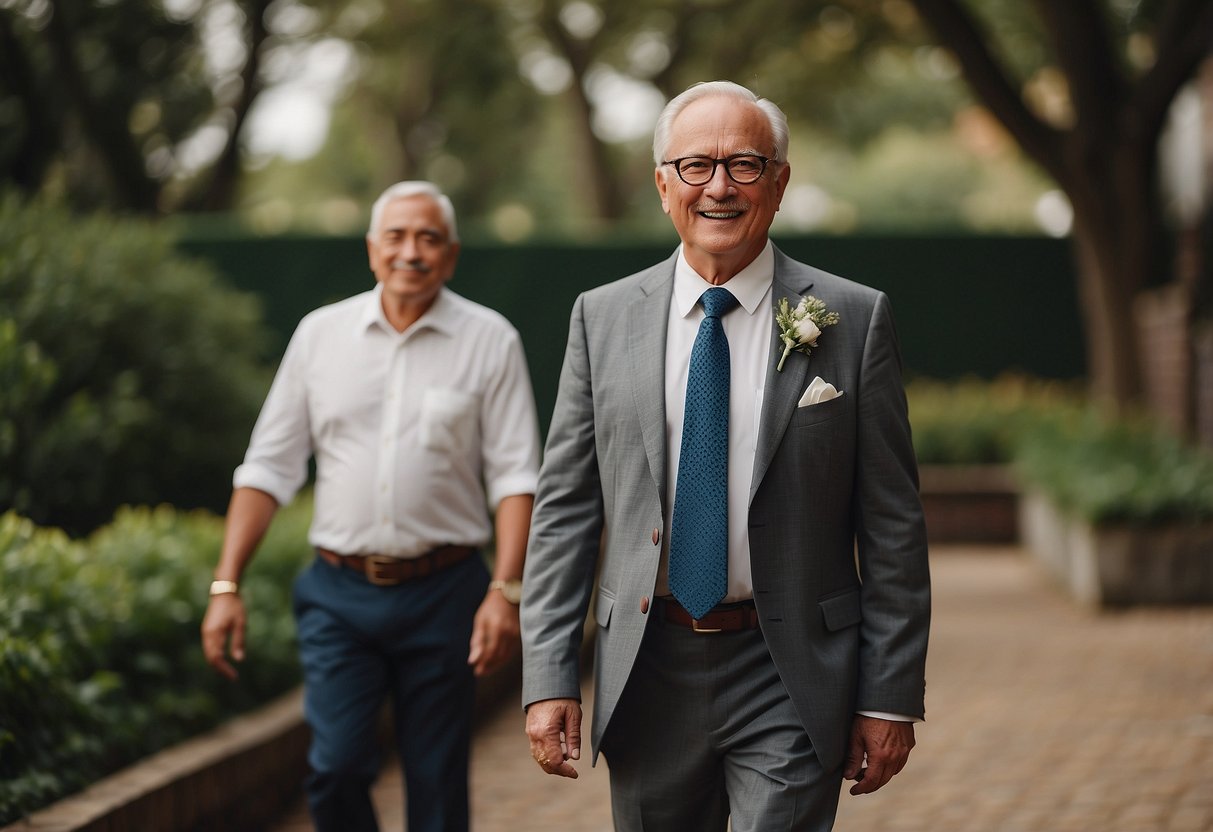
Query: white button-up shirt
748,329
417,435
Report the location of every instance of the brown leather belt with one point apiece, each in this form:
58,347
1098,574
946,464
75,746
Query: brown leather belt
382,570
727,618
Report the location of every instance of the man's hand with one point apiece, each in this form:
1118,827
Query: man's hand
494,634
225,618
554,728
885,744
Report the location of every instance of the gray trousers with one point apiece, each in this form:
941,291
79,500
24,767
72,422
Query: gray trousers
704,734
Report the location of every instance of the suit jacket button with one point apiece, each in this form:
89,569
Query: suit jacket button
644,605
656,536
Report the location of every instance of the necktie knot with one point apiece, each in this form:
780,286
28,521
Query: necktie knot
717,302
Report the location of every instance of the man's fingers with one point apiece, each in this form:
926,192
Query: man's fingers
223,629
885,744
572,735
871,778
236,645
554,729
853,764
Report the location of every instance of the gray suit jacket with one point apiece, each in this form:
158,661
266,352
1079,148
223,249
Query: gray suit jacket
837,542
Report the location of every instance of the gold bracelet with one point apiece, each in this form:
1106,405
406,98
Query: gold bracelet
224,588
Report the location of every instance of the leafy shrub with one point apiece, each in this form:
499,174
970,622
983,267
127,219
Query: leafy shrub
100,659
127,373
1117,471
976,422
1105,470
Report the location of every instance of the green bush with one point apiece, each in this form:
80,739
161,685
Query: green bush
100,659
1117,471
976,422
128,375
1105,470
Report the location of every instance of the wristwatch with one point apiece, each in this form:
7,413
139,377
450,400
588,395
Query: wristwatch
511,589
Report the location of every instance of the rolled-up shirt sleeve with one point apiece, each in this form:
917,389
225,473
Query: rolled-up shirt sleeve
280,446
510,428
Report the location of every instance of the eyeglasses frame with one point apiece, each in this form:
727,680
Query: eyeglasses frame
715,163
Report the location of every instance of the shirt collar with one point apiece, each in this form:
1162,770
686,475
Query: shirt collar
749,286
442,316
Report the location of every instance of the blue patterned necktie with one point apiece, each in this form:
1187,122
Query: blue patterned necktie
699,533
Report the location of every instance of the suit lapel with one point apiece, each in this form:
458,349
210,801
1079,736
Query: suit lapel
648,317
783,388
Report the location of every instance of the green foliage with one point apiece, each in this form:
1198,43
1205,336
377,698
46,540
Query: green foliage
1104,469
95,95
1118,471
976,422
100,660
127,373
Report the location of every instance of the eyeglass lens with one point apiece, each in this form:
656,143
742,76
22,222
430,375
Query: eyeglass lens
697,170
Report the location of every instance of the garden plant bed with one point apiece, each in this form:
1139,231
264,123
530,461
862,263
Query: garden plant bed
1119,564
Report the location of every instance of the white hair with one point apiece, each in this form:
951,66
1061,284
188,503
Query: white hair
404,190
705,89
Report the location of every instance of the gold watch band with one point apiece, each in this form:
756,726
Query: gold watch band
225,588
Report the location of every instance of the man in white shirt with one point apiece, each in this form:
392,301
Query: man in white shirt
418,409
730,457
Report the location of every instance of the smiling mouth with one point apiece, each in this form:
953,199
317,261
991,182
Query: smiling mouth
721,212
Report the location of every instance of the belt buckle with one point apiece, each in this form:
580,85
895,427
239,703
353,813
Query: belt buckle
374,575
695,628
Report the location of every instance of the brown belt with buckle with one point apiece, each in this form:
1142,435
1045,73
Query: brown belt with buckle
382,570
727,618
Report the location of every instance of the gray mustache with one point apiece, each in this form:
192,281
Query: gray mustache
415,265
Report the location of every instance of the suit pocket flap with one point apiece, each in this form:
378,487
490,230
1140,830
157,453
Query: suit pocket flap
603,607
841,611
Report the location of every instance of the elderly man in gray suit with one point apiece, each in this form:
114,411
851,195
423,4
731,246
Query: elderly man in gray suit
729,462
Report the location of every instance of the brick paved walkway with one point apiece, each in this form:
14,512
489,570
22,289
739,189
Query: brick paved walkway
1043,717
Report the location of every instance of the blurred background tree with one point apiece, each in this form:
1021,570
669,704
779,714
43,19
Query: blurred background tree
1085,87
536,115
130,105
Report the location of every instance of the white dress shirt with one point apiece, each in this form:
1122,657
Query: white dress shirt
417,435
748,328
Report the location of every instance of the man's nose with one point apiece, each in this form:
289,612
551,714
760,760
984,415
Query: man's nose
408,247
720,184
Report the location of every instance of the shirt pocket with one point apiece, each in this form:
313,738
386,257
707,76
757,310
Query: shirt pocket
448,420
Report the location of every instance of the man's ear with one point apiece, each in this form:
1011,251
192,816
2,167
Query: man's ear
662,186
781,183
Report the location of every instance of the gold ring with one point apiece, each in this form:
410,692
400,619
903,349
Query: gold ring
543,761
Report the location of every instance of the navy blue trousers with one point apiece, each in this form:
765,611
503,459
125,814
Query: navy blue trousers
362,644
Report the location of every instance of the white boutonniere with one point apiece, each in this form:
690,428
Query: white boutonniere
801,326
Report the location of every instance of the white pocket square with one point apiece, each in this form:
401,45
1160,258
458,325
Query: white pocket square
818,391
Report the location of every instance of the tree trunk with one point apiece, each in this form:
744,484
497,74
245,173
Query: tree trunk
220,192
106,131
1109,333
1117,248
597,174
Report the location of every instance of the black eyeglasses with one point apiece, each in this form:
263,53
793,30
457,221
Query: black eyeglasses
742,168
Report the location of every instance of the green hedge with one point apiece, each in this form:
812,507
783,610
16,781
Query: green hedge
100,660
1103,469
128,373
1117,471
976,422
